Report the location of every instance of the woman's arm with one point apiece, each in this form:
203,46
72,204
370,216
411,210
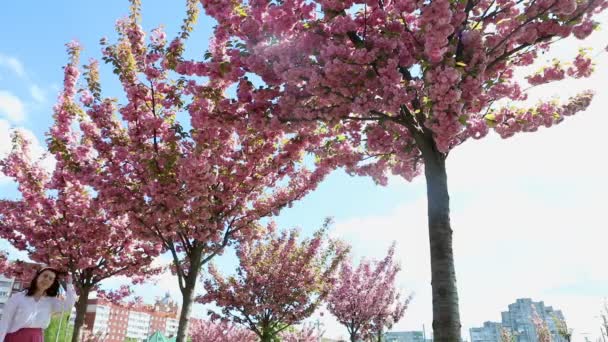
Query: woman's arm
7,315
65,305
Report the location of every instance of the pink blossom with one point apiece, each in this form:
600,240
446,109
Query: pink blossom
279,283
365,299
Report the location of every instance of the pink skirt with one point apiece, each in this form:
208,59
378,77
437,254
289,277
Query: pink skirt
25,335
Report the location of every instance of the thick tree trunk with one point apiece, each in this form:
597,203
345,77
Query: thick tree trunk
81,311
188,294
266,337
182,329
446,316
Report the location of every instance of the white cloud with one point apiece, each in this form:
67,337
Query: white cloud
11,107
13,64
37,93
508,244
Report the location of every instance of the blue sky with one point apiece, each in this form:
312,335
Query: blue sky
527,212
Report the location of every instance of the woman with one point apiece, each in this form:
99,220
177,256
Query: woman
27,314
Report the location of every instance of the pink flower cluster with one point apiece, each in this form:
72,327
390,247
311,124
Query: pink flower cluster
207,331
582,66
308,333
280,281
447,63
549,74
365,299
508,121
435,21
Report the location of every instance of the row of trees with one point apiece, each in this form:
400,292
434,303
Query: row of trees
376,87
280,282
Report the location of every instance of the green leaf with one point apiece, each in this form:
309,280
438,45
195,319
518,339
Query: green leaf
463,119
224,67
240,10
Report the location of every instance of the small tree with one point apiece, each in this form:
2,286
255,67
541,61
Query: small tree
543,334
506,335
207,331
308,333
279,281
365,299
562,328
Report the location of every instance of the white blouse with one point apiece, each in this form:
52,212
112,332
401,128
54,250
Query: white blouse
21,311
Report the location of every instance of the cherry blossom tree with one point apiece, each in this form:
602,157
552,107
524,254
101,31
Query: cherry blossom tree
404,82
543,334
279,282
59,221
191,167
365,299
308,333
207,331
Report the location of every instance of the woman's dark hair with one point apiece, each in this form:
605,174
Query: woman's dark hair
52,291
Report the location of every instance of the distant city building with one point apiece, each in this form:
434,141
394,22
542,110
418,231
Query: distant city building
117,322
518,320
6,289
490,332
405,336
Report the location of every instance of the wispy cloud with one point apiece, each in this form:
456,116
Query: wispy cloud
37,93
11,107
13,64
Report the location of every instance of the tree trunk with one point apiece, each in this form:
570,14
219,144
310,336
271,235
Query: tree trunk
446,317
81,311
188,293
266,337
182,329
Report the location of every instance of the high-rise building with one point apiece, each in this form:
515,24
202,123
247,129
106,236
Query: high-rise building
490,332
518,320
